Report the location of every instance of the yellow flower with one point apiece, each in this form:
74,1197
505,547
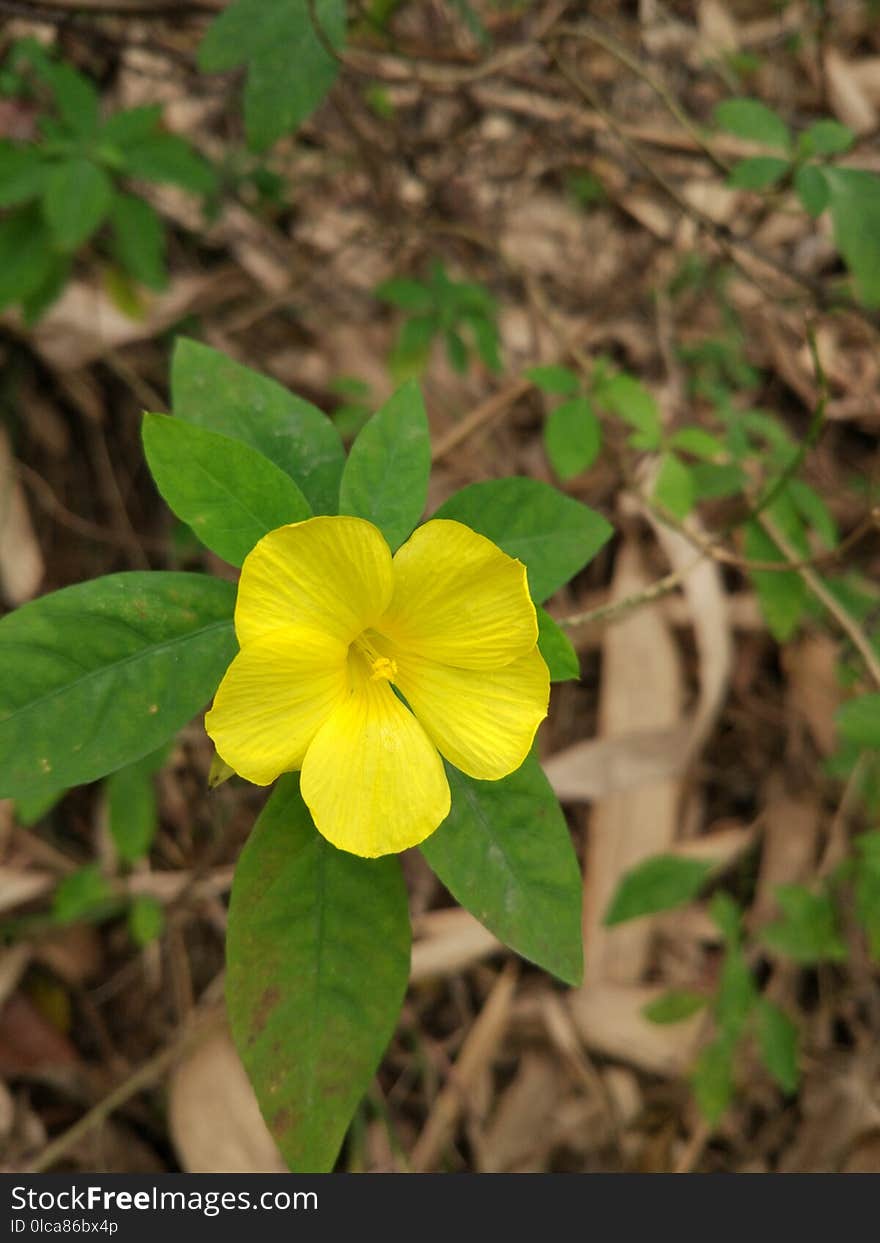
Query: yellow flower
328,622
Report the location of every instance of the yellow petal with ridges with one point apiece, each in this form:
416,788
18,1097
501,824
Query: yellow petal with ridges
459,600
274,697
372,779
483,721
332,574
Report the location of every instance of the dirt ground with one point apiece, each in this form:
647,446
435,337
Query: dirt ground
558,172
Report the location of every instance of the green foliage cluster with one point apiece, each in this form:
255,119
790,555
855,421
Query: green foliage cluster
241,456
74,183
806,163
440,307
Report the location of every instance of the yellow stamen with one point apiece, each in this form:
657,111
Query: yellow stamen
381,667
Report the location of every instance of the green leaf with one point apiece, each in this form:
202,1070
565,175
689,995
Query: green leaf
557,649
76,98
127,128
712,1079
758,172
29,811
855,214
139,240
97,675
750,119
778,1043
385,479
146,919
289,69
699,443
807,930
317,956
659,884
132,812
859,721
812,189
39,299
407,294
24,172
230,494
505,853
168,158
813,509
84,894
736,993
674,1006
826,138
77,198
212,391
726,913
552,534
674,488
554,380
25,255
572,437
782,594
624,396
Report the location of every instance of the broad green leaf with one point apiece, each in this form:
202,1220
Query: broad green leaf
807,930
757,172
553,379
727,915
855,214
557,649
626,397
76,200
778,1043
674,1006
40,298
97,675
572,437
146,919
84,894
214,392
76,98
659,884
826,138
139,240
26,258
712,1079
674,488
552,534
385,479
716,479
750,119
505,852
782,594
812,188
230,494
317,958
130,126
289,69
168,158
456,351
23,173
699,443
408,295
132,811
858,720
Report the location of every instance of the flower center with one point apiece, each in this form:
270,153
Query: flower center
381,667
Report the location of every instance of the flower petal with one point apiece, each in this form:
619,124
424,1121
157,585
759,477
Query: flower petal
331,574
483,721
459,600
372,780
274,698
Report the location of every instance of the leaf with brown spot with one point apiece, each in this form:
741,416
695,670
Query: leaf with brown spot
318,960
